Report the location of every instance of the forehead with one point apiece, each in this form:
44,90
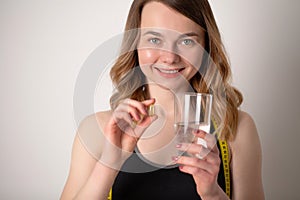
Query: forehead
158,15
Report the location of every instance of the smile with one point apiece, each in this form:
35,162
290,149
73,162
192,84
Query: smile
169,71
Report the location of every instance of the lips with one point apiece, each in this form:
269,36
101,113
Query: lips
169,71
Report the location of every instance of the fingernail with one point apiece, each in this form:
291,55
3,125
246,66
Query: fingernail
175,158
178,145
138,118
199,132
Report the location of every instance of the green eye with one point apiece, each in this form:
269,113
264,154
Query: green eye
154,40
187,42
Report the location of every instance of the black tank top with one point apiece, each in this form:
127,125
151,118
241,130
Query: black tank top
139,180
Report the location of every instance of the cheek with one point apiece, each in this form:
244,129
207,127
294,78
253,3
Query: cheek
194,58
147,56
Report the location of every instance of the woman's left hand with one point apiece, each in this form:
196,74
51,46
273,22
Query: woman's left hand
203,165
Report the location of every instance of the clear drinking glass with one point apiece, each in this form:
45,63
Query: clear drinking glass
192,113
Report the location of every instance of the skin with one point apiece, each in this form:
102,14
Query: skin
92,179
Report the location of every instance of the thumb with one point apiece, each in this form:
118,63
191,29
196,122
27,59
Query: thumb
149,102
141,127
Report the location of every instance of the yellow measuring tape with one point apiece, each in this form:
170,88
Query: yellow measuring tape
225,160
110,195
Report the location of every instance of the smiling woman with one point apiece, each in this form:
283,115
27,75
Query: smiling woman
169,47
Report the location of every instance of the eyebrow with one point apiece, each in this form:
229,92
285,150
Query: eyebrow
189,34
153,33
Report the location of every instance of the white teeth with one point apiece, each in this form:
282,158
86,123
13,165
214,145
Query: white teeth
168,71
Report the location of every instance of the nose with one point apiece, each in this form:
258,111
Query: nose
169,57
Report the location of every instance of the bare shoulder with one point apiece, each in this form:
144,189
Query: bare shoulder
245,121
90,132
98,119
246,162
86,152
246,132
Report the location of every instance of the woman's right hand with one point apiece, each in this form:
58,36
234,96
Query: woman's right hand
123,130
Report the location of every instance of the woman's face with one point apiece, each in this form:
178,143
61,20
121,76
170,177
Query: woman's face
171,46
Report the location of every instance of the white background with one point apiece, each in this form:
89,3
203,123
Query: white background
43,45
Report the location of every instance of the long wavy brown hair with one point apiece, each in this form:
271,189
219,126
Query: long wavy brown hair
214,75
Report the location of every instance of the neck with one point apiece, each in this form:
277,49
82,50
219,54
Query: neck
163,96
160,92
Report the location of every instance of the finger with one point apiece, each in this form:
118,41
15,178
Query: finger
195,163
211,168
123,119
197,150
207,140
125,123
193,170
215,149
135,114
138,105
209,156
141,127
147,121
149,102
213,158
190,148
138,130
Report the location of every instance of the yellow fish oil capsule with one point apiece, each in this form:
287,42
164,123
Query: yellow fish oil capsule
151,110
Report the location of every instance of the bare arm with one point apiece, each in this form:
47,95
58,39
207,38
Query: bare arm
98,155
246,161
85,173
